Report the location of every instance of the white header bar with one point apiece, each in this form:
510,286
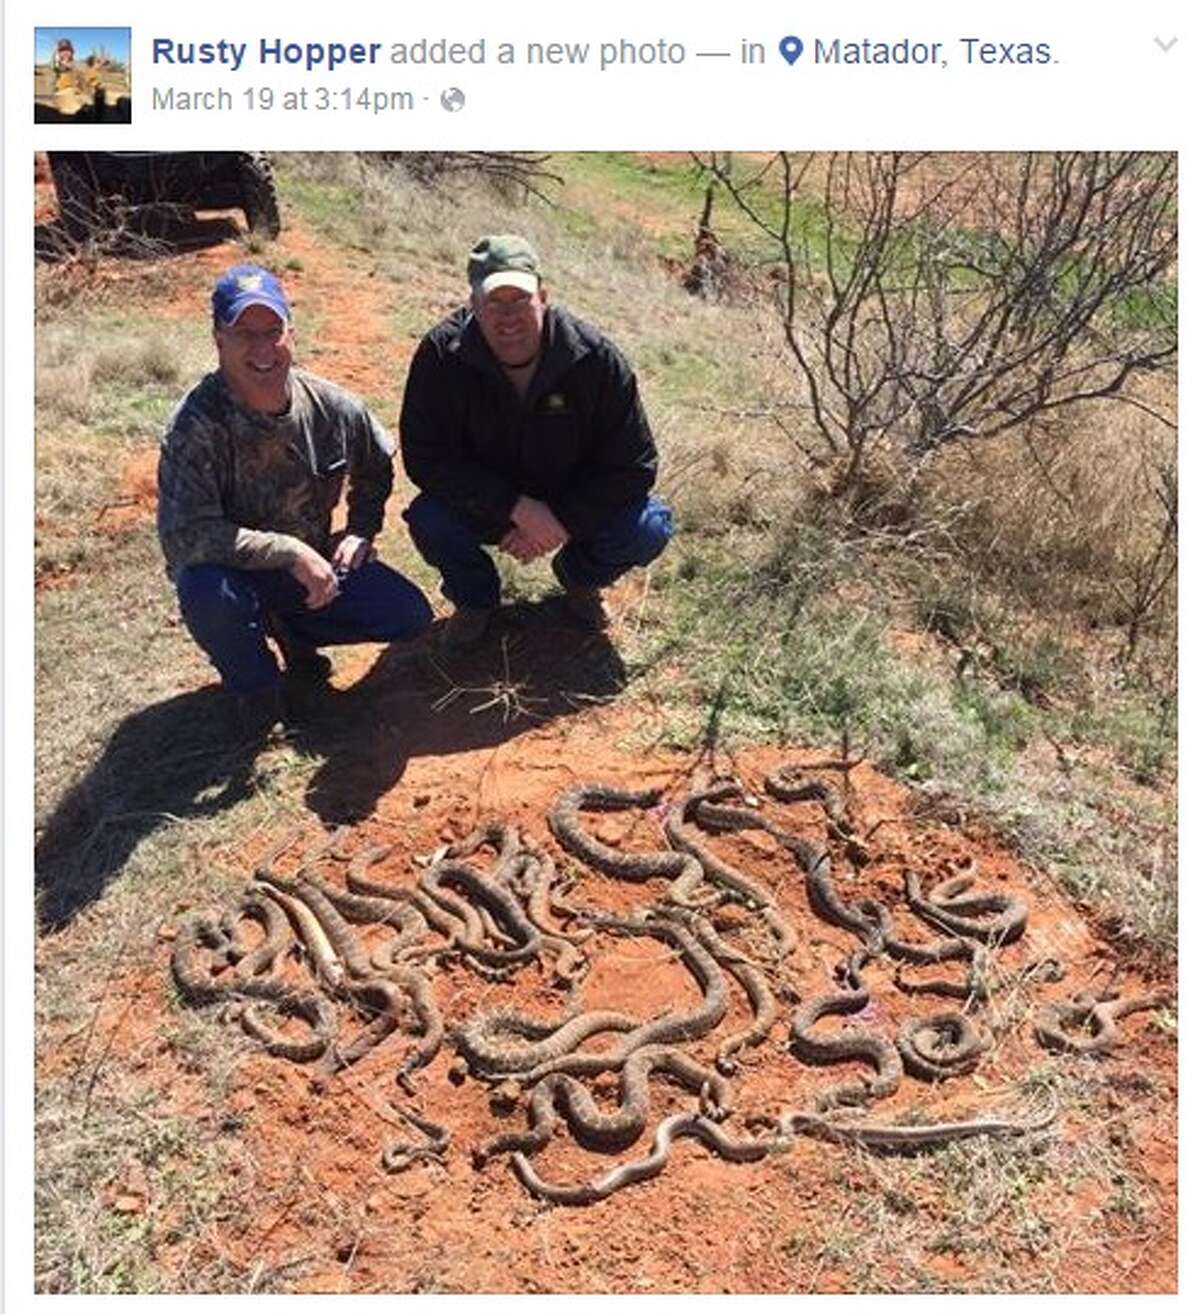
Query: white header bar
632,76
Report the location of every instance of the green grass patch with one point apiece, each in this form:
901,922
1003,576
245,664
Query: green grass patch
669,195
778,642
331,206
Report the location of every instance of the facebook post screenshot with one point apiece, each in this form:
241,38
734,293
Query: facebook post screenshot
592,652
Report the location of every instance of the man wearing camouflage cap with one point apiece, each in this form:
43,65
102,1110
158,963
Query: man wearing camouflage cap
254,461
523,429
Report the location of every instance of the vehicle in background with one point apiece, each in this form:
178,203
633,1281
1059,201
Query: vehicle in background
95,186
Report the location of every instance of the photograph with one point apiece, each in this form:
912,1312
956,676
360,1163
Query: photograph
605,722
81,75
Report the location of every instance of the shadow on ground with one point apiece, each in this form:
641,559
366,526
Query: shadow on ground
147,232
175,761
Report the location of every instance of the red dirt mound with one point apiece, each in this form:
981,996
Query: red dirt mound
322,1205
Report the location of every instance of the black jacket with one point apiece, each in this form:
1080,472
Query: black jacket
579,439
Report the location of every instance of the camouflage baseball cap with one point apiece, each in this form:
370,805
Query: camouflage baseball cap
244,286
503,260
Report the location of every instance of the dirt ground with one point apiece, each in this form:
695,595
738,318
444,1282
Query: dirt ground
319,1207
335,1219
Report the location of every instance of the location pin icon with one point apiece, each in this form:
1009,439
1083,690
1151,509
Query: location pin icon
791,48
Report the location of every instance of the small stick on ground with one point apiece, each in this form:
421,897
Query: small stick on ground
509,695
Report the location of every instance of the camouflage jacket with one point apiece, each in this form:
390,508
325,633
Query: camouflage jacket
239,488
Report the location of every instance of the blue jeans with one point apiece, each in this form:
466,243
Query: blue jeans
228,611
453,544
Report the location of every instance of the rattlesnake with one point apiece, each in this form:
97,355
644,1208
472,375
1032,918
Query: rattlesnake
829,905
202,937
638,1170
791,783
668,1029
499,835
973,988
524,939
381,996
616,1128
749,977
681,869
872,922
480,1040
852,1042
435,915
535,878
1099,1013
884,1138
902,1137
702,805
748,891
941,1045
687,864
949,908
594,797
373,910
399,1154
545,1048
507,919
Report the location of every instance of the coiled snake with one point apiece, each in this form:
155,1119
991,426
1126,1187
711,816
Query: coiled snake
1099,1013
205,937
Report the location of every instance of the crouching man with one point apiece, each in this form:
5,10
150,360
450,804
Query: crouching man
523,429
253,463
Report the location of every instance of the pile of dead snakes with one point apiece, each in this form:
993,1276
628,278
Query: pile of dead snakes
515,913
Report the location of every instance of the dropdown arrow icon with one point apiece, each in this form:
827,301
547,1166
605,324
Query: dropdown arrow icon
1166,46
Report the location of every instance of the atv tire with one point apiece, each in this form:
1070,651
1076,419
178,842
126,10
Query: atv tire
259,201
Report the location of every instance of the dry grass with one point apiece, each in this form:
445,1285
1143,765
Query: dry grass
102,391
1059,517
139,1186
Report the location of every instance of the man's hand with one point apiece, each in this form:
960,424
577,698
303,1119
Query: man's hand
317,577
539,527
352,552
517,545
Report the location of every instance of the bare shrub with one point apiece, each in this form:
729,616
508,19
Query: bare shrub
77,268
976,362
514,175
1145,574
1089,530
912,324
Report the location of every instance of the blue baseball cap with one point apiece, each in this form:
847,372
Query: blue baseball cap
244,286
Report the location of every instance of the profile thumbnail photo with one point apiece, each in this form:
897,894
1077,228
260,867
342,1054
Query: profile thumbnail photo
81,75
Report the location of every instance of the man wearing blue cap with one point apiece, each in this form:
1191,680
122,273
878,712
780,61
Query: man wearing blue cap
523,429
253,463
